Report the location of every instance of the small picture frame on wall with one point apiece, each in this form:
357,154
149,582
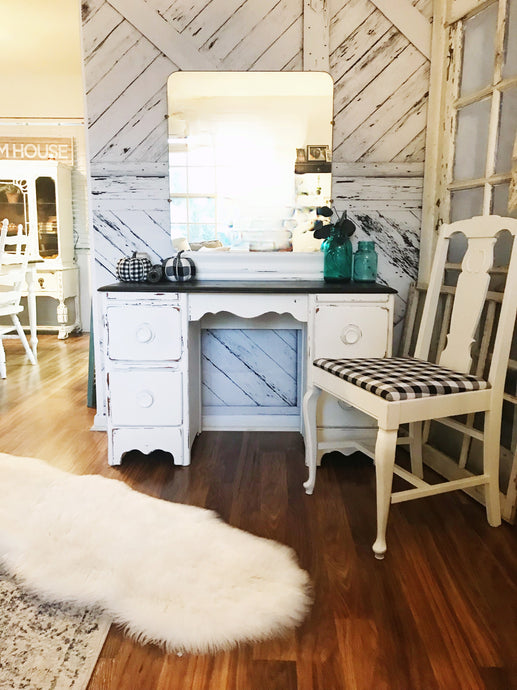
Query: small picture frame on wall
317,153
301,156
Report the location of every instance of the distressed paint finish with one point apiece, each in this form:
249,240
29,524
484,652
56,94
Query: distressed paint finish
396,238
316,35
393,226
381,83
374,98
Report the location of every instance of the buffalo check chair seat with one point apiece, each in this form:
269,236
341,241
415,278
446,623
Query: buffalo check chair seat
410,390
401,378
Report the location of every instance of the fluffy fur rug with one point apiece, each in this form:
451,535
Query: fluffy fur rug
171,574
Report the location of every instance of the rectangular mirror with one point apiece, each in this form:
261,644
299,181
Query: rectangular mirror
249,158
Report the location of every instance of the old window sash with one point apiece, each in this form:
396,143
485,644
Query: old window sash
445,102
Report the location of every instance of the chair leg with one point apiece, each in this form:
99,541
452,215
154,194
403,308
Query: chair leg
310,403
491,451
384,461
3,369
23,338
415,448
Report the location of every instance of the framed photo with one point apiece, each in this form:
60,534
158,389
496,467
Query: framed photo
301,156
317,153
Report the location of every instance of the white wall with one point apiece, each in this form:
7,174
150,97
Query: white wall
41,75
42,91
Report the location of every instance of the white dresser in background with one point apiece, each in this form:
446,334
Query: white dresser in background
151,350
43,202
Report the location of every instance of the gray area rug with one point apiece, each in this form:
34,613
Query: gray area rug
46,646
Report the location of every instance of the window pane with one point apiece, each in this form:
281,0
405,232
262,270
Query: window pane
478,50
201,180
201,210
178,230
500,201
226,234
179,210
177,154
178,180
507,131
201,155
201,232
466,203
471,140
510,62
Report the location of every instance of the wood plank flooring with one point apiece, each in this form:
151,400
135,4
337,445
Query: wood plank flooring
440,612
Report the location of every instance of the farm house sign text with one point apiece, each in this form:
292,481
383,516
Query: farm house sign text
40,149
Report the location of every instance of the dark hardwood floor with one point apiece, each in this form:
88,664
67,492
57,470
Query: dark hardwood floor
439,612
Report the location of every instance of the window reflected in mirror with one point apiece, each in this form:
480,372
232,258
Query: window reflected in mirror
249,158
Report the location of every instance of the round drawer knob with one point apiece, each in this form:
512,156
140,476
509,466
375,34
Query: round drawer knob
144,333
144,399
351,334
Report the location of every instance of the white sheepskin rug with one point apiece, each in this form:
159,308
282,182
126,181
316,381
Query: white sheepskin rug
171,574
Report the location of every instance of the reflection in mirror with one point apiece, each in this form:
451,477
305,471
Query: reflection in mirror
249,158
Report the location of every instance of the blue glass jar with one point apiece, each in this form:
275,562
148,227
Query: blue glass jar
365,263
337,258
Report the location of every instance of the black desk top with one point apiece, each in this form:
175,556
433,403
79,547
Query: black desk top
254,286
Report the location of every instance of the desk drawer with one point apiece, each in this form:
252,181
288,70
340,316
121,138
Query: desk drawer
145,397
144,333
351,331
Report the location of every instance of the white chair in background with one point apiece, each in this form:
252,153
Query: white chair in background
398,390
14,256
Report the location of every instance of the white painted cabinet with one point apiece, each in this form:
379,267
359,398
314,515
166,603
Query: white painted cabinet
351,329
38,195
151,347
347,326
146,364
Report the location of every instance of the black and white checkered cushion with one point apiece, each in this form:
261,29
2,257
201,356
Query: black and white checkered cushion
401,378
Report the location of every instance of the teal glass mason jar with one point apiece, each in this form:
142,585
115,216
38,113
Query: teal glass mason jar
365,263
337,258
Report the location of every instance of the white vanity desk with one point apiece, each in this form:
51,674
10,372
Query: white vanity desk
151,347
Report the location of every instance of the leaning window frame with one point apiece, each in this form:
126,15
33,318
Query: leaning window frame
444,104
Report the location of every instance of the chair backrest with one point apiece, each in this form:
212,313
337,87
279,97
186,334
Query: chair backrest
14,256
470,295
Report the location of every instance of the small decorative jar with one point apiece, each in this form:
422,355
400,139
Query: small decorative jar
337,258
365,263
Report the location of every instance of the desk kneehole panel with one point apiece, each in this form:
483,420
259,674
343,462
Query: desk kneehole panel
145,397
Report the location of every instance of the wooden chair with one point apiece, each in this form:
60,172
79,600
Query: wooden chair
399,390
14,256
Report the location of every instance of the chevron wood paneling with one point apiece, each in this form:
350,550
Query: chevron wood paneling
381,81
381,85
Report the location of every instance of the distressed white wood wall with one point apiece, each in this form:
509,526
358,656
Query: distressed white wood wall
377,52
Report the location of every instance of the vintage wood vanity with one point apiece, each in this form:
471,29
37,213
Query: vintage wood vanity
246,167
152,347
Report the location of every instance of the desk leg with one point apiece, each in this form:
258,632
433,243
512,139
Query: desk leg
31,307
